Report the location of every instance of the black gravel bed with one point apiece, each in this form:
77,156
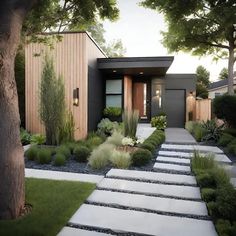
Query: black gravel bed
151,181
78,167
150,194
182,215
104,230
173,172
171,162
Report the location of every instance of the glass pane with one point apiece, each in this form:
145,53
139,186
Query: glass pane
113,101
114,86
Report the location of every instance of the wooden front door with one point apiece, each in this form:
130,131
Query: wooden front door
141,100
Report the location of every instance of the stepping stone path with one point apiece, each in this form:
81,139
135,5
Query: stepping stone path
163,202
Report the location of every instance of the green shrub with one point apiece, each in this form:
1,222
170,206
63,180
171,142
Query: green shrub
225,139
121,160
213,209
148,146
231,131
141,157
189,125
159,122
107,127
206,180
71,146
212,131
115,139
231,146
208,194
220,175
81,153
99,158
130,120
24,136
226,202
223,227
198,132
112,111
44,156
32,153
59,160
38,139
93,142
224,108
64,150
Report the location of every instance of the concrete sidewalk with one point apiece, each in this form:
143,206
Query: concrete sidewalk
179,135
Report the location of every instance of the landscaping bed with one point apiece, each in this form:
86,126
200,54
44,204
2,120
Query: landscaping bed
53,204
217,192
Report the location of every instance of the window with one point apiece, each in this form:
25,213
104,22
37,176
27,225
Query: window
114,93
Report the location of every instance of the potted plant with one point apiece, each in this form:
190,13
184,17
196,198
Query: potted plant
113,113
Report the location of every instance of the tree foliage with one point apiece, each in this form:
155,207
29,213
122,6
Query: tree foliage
52,102
223,74
202,82
200,27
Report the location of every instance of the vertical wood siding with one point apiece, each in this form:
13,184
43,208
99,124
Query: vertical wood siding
128,93
70,61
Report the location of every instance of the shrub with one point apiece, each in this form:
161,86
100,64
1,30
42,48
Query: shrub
24,137
32,153
112,111
99,158
64,150
232,146
130,120
223,227
107,127
208,194
141,157
198,132
93,142
189,125
120,160
38,139
230,131
159,122
225,139
81,153
44,156
148,146
71,146
224,108
126,141
203,162
211,130
115,139
213,209
60,160
206,180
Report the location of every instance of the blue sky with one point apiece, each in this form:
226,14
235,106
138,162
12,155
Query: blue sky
140,28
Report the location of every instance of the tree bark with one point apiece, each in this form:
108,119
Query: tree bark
231,71
12,192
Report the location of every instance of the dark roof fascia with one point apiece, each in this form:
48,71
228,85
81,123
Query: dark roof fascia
182,76
77,32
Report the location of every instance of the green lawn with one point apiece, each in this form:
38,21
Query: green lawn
54,202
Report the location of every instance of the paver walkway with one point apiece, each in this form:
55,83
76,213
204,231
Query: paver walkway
162,202
144,131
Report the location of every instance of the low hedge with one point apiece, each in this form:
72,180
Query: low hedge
141,157
225,139
81,153
59,160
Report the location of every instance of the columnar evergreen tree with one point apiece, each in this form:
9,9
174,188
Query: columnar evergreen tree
200,27
202,82
34,16
223,74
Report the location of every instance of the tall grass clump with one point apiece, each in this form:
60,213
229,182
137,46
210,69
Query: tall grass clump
51,101
121,160
130,120
100,156
202,162
115,139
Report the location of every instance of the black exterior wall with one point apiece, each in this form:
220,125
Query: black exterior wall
96,91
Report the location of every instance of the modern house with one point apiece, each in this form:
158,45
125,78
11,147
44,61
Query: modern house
219,88
96,82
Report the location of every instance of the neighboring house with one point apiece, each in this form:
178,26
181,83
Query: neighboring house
97,82
219,88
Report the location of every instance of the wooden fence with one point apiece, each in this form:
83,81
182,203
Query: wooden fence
203,109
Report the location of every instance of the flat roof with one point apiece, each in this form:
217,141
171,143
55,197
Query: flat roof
135,65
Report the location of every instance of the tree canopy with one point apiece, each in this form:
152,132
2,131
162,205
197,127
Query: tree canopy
202,82
200,27
223,74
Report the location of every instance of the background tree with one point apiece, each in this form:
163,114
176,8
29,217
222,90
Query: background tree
203,82
200,27
34,16
223,74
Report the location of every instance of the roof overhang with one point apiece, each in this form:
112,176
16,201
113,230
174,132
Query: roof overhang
135,65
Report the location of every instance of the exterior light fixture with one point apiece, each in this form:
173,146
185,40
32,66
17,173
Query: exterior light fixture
141,73
157,92
114,71
76,97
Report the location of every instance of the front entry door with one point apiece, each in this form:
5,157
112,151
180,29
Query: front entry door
141,100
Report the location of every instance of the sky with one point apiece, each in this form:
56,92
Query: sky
140,31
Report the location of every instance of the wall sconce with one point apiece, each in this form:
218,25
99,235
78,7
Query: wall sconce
76,97
158,93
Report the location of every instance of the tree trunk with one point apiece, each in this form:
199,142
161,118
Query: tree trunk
12,192
231,69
